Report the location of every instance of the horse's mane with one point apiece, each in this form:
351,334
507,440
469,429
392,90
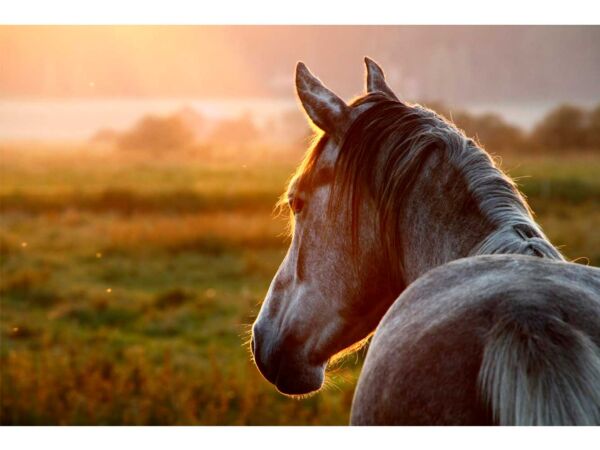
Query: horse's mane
384,151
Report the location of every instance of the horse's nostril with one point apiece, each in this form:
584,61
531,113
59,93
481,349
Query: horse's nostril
253,344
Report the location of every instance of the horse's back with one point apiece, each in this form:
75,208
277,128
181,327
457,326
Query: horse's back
424,363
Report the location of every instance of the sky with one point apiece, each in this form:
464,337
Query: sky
450,63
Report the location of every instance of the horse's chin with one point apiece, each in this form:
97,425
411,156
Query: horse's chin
285,362
300,382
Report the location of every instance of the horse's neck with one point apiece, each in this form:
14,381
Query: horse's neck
443,222
433,230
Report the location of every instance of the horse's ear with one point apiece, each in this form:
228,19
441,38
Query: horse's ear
327,111
376,79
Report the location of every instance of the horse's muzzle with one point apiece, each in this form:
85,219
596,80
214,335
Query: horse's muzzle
281,362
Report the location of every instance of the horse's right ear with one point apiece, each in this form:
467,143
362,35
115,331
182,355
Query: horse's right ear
326,110
376,79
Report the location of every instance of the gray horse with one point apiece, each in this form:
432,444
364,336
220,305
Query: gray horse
403,224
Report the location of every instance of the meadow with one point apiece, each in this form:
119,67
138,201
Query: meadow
128,285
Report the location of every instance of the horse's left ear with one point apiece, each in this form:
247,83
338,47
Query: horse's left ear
376,79
325,109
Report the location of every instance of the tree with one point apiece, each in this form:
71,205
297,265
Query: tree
236,131
593,129
562,128
157,134
491,131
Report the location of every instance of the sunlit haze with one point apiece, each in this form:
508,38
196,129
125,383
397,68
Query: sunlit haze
67,81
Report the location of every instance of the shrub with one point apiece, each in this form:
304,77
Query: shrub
236,131
562,128
491,131
593,129
157,134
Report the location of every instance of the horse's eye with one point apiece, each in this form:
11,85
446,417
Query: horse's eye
296,204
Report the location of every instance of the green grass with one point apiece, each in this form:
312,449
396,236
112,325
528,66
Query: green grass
128,288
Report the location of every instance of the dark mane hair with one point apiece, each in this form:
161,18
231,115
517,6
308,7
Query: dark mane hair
384,152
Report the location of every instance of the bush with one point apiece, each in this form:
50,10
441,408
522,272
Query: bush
491,131
562,128
237,131
593,131
157,134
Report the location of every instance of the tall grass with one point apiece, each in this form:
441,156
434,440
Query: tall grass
128,287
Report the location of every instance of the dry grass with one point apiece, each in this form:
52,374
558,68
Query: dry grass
128,286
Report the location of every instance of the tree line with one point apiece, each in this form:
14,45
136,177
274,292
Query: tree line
564,128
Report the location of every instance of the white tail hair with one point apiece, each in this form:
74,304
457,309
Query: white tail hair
539,370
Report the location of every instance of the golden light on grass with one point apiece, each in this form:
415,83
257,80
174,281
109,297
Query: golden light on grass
24,244
221,256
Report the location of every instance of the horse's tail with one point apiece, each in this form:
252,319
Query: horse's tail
539,370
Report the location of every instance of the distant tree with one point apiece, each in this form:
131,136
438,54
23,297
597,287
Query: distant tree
562,128
294,128
194,121
105,136
440,108
491,131
237,131
157,134
593,129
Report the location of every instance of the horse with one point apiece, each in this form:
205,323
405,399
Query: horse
403,229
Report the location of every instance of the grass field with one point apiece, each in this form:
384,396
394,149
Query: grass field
128,287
